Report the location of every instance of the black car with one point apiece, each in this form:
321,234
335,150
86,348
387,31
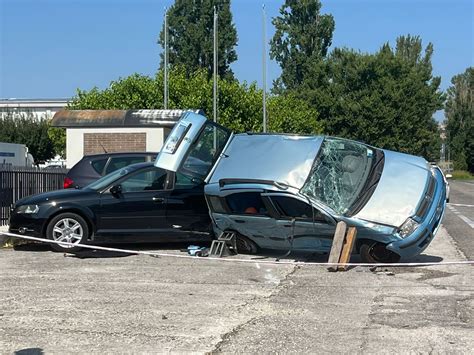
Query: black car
93,167
138,203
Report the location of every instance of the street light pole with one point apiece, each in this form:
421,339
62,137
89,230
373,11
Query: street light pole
215,67
264,65
165,78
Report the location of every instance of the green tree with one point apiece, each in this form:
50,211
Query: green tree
191,24
240,104
460,120
58,139
30,131
386,99
302,37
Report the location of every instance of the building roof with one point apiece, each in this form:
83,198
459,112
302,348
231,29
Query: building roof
117,118
33,103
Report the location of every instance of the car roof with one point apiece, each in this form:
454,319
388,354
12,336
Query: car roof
125,154
281,158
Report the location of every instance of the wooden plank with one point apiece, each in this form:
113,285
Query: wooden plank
337,244
347,248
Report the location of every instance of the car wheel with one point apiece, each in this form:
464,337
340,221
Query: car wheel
245,245
67,227
377,253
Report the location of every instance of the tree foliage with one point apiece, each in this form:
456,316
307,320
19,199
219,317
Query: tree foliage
460,120
386,99
29,131
240,104
302,36
190,39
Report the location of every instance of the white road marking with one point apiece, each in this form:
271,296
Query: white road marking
464,218
459,205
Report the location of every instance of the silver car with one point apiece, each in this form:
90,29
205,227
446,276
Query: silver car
288,192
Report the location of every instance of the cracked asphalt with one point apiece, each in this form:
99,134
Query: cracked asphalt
137,304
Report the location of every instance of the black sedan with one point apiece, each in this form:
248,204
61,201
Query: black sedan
138,203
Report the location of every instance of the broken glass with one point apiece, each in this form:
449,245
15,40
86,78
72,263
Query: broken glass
339,173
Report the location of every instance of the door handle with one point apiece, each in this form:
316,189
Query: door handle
158,199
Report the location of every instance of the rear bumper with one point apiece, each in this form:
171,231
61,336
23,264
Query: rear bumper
424,234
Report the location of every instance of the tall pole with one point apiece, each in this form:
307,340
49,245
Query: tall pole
165,79
215,66
264,64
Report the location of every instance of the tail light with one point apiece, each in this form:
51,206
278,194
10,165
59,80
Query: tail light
68,183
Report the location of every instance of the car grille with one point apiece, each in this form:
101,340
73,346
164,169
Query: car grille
427,200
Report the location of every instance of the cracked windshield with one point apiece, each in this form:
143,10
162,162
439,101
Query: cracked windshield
339,173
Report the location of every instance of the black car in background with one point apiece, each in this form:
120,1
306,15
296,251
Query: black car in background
93,167
138,203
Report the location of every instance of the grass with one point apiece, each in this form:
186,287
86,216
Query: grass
462,175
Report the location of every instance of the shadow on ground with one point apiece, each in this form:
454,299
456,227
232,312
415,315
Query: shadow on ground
182,247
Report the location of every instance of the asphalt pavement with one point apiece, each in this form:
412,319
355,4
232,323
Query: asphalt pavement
100,303
459,216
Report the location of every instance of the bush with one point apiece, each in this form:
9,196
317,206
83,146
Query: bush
462,175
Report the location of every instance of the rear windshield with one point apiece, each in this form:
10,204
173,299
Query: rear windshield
99,165
205,152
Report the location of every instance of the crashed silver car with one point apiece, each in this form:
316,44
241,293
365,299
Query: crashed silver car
288,192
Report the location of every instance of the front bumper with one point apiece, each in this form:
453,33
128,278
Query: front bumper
419,240
28,224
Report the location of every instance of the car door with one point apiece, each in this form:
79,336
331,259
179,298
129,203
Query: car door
249,214
138,210
193,146
309,228
186,209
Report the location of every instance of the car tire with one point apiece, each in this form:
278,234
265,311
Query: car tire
245,245
374,252
67,227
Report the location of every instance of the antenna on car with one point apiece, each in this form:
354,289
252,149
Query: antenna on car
105,150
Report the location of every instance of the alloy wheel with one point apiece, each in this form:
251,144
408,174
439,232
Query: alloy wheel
67,230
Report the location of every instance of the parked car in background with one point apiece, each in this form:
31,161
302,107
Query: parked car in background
288,192
137,203
92,167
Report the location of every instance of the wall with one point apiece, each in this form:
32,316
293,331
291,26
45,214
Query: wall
116,139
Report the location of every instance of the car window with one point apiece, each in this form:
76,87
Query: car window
148,180
216,204
99,165
246,203
120,162
292,208
185,182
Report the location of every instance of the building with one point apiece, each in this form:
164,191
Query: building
38,108
108,131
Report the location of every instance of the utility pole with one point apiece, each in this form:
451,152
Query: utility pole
215,66
165,79
264,65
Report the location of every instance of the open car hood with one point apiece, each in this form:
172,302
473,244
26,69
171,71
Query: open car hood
399,191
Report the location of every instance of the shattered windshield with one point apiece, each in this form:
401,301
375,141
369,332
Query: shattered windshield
339,173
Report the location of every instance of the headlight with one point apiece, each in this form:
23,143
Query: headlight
408,228
28,209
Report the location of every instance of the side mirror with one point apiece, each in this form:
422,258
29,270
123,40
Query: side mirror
116,189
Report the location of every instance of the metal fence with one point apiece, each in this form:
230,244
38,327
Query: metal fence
19,182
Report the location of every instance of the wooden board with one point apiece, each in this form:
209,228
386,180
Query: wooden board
337,245
347,248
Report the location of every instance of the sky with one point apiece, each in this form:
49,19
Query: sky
49,48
